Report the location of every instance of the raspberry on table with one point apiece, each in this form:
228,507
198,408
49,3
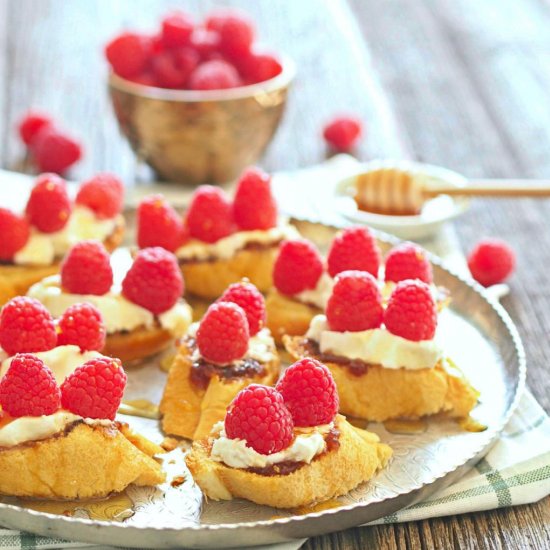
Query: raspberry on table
309,393
491,261
94,390
128,53
258,416
49,207
259,66
215,74
411,311
103,194
342,133
82,325
251,300
29,388
408,261
176,29
154,281
254,206
31,124
355,303
86,269
223,333
54,150
15,232
298,267
26,326
355,248
236,31
210,214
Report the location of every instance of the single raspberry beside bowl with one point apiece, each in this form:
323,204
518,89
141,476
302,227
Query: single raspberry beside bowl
31,124
491,261
215,74
82,325
158,224
103,194
223,333
176,29
128,53
354,248
298,267
94,390
258,415
355,303
247,296
342,133
49,206
15,233
154,281
86,269
29,388
411,312
408,261
54,150
309,392
26,326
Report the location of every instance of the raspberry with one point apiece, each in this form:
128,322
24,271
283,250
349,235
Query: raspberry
247,296
259,67
94,390
187,60
103,194
29,388
408,261
176,29
82,326
26,326
309,392
15,233
154,281
298,267
223,333
258,416
254,206
236,31
205,42
342,133
128,53
411,312
86,269
214,75
55,151
145,78
491,261
49,206
31,124
210,215
355,303
167,71
158,224
354,248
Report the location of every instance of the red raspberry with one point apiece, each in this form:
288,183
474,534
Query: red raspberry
342,133
187,60
31,124
154,281
94,390
29,388
408,261
259,67
254,206
247,296
210,214
176,29
86,269
298,267
236,31
82,325
354,248
355,303
214,75
145,78
15,233
258,416
411,312
55,151
103,193
491,261
309,392
49,206
205,42
223,333
167,71
158,224
26,326
128,53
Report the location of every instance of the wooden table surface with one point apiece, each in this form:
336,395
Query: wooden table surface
460,83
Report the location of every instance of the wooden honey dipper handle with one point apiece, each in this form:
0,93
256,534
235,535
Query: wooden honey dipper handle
493,188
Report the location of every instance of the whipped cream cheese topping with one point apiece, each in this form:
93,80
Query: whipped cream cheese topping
226,247
118,312
376,346
307,444
319,295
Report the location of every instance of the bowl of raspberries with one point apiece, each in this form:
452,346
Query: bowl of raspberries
198,100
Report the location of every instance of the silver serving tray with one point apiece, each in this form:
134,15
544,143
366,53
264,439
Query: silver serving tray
479,336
